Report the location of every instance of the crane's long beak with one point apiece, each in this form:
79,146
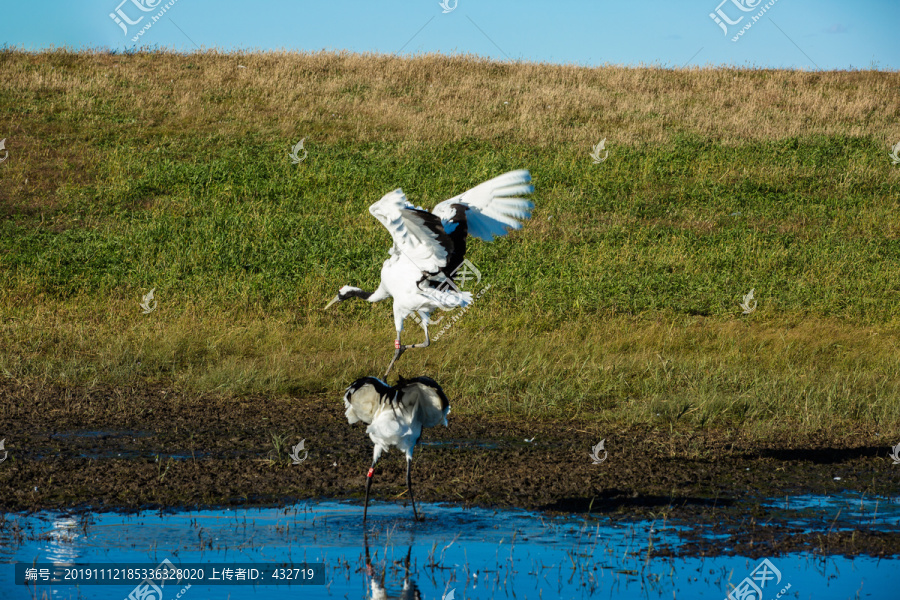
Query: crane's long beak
333,301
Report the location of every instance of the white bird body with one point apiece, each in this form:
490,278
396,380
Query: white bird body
399,275
429,246
395,416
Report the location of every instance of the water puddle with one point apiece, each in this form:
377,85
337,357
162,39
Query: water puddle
471,552
844,511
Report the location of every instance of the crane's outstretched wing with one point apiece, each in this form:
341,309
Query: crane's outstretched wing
491,208
363,398
417,233
432,401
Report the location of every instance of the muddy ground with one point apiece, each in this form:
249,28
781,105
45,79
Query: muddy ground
97,449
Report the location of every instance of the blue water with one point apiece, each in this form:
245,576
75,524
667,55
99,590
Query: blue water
475,553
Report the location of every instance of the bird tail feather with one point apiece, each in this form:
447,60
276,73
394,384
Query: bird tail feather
449,299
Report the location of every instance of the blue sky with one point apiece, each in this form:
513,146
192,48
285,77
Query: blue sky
800,34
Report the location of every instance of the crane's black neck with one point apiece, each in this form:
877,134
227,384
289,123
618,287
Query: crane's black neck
356,294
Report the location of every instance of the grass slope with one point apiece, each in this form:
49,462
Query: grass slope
619,300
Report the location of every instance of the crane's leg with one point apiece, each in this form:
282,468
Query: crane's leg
408,586
409,487
370,570
427,339
401,348
398,350
368,485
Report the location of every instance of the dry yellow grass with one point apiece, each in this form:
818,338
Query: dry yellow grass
434,97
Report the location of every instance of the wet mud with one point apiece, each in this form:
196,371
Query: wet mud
152,448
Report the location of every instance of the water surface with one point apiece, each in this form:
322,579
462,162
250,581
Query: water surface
474,552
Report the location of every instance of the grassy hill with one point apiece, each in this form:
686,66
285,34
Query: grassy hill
619,300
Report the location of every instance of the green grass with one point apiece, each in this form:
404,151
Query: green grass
647,232
618,300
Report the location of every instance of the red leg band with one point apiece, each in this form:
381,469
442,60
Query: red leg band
397,344
371,471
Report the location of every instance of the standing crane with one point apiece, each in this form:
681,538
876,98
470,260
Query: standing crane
395,417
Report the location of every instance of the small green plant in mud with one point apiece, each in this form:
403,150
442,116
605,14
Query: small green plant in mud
282,452
160,471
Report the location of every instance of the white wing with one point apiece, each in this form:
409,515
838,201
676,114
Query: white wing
430,398
417,233
492,207
362,399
